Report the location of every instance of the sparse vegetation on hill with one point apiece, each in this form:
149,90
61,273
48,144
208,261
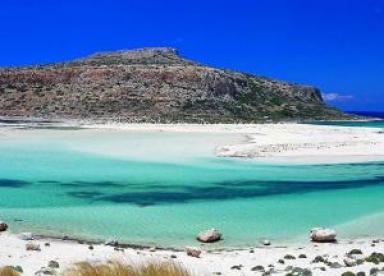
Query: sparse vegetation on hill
153,85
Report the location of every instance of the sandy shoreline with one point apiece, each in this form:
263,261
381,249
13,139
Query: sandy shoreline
332,259
276,143
288,143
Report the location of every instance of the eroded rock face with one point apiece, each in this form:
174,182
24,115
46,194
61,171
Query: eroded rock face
153,85
323,235
209,236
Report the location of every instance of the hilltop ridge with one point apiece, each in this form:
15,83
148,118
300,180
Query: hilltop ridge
154,85
156,55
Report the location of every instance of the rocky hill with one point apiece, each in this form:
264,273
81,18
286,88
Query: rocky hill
153,85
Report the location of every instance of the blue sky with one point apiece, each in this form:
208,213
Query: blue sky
336,45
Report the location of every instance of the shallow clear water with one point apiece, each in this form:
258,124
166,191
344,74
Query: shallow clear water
162,188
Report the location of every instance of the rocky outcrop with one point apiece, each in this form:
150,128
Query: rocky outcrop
153,85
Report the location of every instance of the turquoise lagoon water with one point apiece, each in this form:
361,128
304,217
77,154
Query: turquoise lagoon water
162,188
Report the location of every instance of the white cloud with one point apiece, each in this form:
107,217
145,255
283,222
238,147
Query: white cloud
336,97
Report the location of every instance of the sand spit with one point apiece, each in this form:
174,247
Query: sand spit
293,143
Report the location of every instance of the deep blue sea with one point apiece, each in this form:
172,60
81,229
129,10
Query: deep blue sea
369,114
375,122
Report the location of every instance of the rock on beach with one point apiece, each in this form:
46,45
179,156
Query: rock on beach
3,226
323,235
193,252
32,247
209,236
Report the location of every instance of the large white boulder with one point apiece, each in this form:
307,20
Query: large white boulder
211,235
323,235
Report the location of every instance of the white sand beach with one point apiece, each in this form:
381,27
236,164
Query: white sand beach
320,259
293,143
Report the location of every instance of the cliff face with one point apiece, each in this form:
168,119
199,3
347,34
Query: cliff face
153,85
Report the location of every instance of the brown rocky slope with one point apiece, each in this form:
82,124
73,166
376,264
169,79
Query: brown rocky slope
153,85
